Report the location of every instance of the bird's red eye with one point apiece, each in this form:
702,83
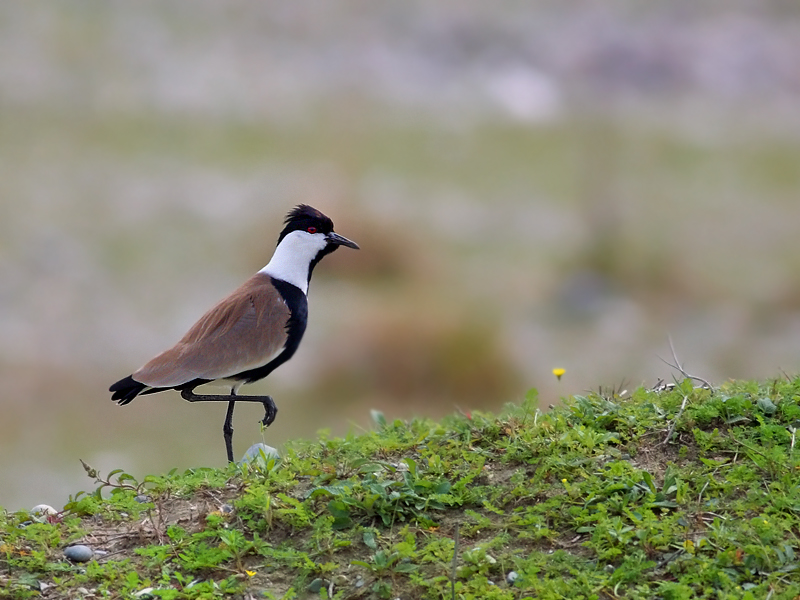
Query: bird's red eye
312,229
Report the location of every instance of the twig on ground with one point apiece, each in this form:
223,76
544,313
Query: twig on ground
106,557
748,446
700,497
677,366
675,420
455,557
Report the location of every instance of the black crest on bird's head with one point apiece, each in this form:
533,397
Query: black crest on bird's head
306,218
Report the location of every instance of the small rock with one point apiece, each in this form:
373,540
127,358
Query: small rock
512,577
254,454
360,582
24,524
315,586
226,509
141,498
78,553
42,510
145,593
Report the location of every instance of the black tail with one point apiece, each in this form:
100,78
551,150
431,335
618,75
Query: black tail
126,390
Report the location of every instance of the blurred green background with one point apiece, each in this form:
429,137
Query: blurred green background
533,185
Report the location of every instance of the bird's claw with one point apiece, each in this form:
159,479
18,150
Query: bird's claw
270,411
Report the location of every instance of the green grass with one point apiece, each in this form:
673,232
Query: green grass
676,493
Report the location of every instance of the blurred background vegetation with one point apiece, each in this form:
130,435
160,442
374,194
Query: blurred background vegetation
533,185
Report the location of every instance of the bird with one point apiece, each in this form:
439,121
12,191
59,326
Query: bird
248,334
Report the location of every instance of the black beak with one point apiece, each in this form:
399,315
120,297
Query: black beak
340,240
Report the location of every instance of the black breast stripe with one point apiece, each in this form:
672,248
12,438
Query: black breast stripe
295,328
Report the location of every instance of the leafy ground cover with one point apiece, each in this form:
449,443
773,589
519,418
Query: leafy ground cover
676,492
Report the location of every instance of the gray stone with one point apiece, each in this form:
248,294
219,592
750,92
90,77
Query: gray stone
78,553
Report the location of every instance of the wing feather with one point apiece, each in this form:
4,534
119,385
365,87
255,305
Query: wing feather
244,331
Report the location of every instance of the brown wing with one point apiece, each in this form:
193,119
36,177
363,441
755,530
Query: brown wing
244,331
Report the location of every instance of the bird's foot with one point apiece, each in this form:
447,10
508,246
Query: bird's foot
270,411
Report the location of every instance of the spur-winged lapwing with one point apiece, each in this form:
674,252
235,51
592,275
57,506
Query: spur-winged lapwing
251,332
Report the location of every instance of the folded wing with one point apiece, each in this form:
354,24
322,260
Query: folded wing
244,331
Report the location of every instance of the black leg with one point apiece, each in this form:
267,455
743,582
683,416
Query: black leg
270,411
227,429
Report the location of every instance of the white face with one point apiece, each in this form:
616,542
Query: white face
293,256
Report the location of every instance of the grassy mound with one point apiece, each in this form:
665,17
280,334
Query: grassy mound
670,493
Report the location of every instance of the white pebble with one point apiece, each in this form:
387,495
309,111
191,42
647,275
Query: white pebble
43,509
253,453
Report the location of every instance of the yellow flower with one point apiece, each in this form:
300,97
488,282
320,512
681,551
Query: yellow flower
559,372
564,480
250,573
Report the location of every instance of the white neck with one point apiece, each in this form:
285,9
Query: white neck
293,257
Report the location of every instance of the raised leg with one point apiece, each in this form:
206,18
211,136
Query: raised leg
270,411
